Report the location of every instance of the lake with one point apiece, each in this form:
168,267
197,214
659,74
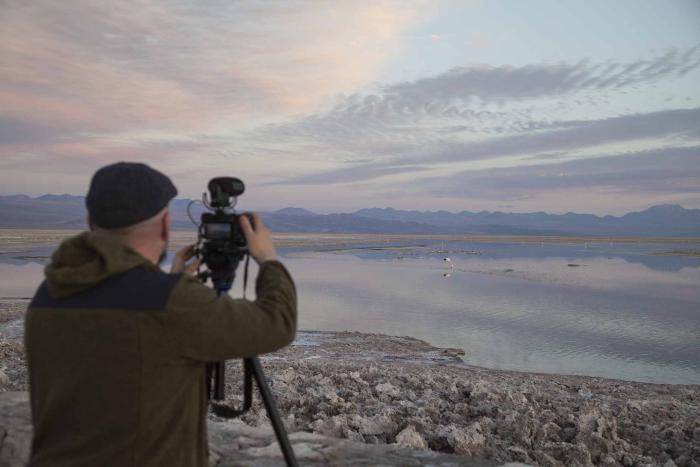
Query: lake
615,310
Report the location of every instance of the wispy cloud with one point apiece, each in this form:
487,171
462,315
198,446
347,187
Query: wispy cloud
469,93
569,136
186,65
672,170
441,94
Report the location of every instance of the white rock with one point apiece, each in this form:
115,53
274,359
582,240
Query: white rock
333,398
482,389
468,441
377,425
287,375
388,389
585,393
301,450
331,426
411,438
306,436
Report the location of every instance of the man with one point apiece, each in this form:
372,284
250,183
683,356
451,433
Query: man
116,348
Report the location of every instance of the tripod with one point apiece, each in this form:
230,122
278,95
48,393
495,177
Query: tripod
216,391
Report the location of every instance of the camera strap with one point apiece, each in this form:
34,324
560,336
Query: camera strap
226,411
245,274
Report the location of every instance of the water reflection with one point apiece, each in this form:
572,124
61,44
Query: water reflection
507,322
546,308
647,254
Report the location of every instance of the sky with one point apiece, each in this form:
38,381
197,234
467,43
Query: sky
584,106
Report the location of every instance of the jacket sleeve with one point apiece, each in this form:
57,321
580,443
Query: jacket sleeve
207,327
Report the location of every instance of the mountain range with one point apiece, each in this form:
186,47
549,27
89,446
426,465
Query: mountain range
68,212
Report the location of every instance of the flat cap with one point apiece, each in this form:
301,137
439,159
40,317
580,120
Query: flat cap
127,193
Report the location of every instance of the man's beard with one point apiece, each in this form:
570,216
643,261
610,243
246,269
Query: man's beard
163,255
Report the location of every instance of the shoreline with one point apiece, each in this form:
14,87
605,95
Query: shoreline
18,240
378,389
12,314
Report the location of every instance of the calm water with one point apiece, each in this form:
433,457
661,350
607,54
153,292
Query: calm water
608,310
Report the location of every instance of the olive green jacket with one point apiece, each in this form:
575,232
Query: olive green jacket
116,352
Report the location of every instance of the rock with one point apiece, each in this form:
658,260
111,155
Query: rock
353,435
377,425
286,377
483,390
333,399
388,389
303,451
305,436
331,389
579,456
331,426
411,438
15,429
468,441
550,431
3,377
234,443
518,454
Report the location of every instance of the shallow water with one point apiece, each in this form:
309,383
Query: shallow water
611,310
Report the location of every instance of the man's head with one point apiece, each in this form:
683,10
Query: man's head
130,200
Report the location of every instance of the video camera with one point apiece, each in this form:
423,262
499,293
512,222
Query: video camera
221,244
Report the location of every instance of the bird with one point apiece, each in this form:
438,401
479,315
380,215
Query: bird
448,260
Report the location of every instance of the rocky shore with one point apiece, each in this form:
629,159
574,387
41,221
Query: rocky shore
416,404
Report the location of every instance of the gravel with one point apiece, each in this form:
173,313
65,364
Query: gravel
379,389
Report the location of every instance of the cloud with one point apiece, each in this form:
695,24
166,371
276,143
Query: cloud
187,65
547,144
659,171
450,94
15,131
456,115
349,174
173,82
286,94
574,135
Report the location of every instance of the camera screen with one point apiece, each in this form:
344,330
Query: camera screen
218,230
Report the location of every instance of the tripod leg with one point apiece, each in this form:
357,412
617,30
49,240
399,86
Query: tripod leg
219,381
266,394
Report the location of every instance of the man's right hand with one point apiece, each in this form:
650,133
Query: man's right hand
259,239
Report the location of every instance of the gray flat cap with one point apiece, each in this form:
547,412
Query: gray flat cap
127,193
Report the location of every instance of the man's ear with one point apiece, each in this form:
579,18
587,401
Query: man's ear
91,226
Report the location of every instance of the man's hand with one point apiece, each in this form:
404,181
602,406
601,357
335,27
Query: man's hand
259,239
181,259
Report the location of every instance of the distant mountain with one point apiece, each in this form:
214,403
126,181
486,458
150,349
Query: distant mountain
67,211
662,220
295,212
47,212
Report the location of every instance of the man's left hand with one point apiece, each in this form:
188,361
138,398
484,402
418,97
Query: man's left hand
180,261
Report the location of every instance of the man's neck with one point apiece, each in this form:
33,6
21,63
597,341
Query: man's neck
148,248
149,251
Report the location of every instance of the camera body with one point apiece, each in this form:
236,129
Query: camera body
221,244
